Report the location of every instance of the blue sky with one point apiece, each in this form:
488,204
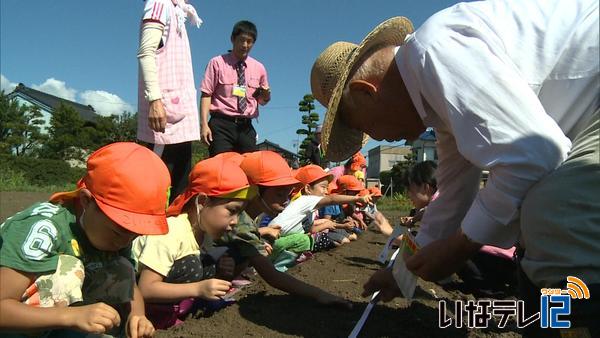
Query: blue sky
86,50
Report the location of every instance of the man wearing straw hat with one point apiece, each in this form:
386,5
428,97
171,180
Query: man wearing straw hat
511,87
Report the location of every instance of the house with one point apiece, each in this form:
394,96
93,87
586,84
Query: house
47,103
382,158
424,147
290,157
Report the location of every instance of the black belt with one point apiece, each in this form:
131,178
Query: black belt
234,119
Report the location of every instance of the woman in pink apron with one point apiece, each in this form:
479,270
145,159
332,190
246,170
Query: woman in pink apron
167,107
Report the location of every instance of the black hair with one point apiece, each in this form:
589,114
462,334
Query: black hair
244,27
423,173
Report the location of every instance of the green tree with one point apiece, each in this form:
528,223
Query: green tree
310,119
398,175
19,127
109,129
66,135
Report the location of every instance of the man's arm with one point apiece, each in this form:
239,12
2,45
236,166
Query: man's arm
498,123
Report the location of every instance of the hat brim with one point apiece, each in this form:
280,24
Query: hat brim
281,182
246,193
64,196
141,224
340,141
329,177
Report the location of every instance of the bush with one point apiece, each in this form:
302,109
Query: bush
11,180
39,172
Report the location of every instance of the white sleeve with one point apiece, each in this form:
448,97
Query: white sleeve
457,184
149,41
290,219
498,123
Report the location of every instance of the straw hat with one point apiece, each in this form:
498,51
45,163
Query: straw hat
329,76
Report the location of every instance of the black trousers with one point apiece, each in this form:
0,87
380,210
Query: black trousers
178,159
231,134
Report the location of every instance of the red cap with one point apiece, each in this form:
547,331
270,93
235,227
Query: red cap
349,182
130,184
358,162
375,192
268,169
218,176
312,173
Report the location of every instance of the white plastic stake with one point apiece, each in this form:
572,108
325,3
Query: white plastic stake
363,318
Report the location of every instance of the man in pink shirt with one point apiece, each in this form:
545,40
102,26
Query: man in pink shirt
233,86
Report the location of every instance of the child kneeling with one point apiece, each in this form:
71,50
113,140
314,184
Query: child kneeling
64,264
177,269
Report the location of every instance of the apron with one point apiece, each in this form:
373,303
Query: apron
176,81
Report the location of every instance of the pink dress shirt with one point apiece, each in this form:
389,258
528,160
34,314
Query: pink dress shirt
220,78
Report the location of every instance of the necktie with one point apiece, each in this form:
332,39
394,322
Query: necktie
242,101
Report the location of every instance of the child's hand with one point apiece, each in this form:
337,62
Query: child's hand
225,267
331,300
349,225
268,248
272,231
366,199
213,289
95,318
139,327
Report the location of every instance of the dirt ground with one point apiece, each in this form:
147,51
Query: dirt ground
11,202
262,311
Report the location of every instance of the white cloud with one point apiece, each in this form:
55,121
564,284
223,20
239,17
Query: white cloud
56,88
6,85
105,103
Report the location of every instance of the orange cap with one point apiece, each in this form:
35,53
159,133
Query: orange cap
375,192
312,173
358,162
237,158
267,168
332,188
217,176
349,182
130,185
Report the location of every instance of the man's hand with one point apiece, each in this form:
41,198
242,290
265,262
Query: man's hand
157,116
139,327
206,134
384,281
265,95
441,258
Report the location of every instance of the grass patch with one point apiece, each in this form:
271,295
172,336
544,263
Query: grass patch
398,202
12,180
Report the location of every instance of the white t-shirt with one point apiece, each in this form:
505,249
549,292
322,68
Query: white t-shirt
298,215
507,85
159,11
